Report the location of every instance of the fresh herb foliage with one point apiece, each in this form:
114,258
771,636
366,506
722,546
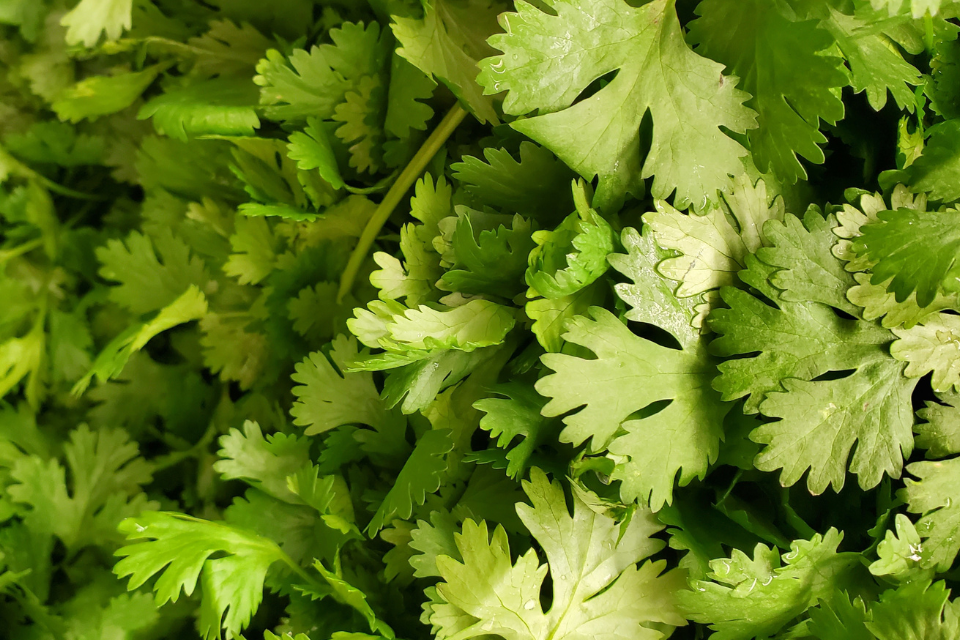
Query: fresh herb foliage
529,319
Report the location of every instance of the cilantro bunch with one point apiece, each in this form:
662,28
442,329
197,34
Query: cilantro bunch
543,319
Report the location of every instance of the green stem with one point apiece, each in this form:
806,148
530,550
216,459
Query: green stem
26,247
297,569
928,32
177,457
66,191
410,174
733,483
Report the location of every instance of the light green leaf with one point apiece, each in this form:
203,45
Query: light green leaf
102,95
447,42
549,59
232,351
406,112
933,345
822,420
786,67
795,341
917,8
940,434
422,474
937,170
749,598
713,246
516,415
592,560
179,547
224,106
314,83
915,611
900,553
254,251
106,485
86,21
415,277
537,185
551,316
328,398
192,305
361,114
263,463
311,149
574,254
935,494
628,374
151,273
915,250
489,261
476,324
651,296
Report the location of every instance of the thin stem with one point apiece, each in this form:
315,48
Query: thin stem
733,483
67,191
177,457
410,174
26,247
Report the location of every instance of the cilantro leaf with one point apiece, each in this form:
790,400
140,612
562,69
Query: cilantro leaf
179,548
537,185
227,49
712,247
574,254
593,563
822,420
629,374
192,305
935,171
754,597
447,42
222,106
875,66
515,415
791,340
313,83
900,245
933,494
900,553
231,351
328,398
145,283
106,480
940,434
414,278
406,111
421,474
361,114
917,7
551,315
102,95
476,324
785,68
91,18
255,251
914,611
489,261
931,346
263,463
312,149
549,59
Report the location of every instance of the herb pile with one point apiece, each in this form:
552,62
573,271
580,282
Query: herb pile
334,319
